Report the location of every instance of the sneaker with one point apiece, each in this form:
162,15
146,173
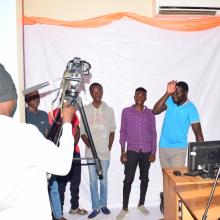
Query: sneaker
61,218
93,214
121,214
78,211
105,210
143,210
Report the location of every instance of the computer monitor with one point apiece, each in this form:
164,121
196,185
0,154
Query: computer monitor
204,156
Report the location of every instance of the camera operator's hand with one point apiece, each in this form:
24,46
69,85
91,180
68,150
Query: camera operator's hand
68,112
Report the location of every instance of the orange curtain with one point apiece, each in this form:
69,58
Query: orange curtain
174,23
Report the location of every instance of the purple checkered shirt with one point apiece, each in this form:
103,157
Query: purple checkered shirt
138,130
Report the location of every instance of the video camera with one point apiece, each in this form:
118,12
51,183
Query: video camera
75,70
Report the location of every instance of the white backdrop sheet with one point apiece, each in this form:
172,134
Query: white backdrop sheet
124,55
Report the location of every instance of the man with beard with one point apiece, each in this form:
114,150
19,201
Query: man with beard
181,113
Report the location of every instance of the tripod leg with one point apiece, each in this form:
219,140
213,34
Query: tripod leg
56,129
204,217
89,135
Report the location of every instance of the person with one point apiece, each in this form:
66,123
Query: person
39,118
181,113
138,147
101,122
34,115
74,175
26,157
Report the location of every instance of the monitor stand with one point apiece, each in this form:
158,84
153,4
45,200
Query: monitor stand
210,172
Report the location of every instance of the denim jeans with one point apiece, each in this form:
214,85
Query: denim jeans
55,198
74,177
99,201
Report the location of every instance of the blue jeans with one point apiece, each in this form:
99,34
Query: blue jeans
98,201
55,198
74,177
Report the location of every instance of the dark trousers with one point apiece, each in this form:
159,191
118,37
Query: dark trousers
134,159
74,177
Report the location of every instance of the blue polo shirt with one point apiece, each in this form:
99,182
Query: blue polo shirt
176,124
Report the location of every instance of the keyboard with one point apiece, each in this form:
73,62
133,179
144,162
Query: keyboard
194,173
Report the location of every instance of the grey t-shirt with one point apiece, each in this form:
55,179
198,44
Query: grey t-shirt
39,119
101,123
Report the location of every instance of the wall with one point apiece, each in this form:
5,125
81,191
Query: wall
11,39
82,9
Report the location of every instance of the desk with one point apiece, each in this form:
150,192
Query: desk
194,199
171,199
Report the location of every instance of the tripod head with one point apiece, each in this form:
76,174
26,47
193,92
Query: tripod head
72,77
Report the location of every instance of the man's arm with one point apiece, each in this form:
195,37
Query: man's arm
85,140
46,155
123,138
77,135
196,127
83,133
153,133
160,105
111,139
123,157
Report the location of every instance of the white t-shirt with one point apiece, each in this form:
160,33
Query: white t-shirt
25,158
101,123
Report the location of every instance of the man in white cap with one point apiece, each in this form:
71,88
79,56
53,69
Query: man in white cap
25,158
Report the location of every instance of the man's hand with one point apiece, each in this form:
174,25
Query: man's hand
123,157
152,158
171,87
85,140
68,112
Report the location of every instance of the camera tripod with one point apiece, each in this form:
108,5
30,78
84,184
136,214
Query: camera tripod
56,131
